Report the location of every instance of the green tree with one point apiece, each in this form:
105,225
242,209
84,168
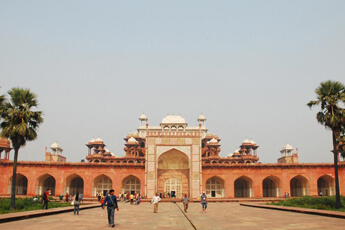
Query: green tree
2,101
329,95
19,124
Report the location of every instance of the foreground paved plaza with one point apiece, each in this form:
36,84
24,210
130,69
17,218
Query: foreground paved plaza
218,216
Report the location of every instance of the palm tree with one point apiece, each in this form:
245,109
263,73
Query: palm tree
2,101
329,95
19,124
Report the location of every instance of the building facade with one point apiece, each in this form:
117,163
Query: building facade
172,158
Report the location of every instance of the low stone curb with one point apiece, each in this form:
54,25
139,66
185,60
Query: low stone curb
37,213
328,213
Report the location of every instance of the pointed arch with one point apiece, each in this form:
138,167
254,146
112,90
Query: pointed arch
44,182
244,187
173,186
271,186
173,159
131,184
21,184
299,186
326,185
215,187
101,185
74,183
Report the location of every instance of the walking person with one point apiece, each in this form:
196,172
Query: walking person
204,201
155,201
185,203
67,195
45,198
76,201
61,197
111,202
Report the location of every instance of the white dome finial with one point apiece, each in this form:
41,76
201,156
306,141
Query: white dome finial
143,117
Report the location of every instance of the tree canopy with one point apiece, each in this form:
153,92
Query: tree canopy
19,122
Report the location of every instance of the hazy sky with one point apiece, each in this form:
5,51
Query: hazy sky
249,66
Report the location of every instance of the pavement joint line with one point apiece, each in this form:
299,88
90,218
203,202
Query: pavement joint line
309,212
186,217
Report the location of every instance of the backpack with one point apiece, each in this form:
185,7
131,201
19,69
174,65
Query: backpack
44,196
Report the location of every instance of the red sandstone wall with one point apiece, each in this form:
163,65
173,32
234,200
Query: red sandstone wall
88,172
61,172
285,174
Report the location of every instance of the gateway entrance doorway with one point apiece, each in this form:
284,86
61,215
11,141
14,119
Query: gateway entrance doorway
174,187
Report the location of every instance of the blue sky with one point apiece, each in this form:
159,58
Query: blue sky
249,66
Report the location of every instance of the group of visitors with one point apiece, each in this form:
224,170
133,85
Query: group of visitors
68,197
110,201
131,197
77,199
185,200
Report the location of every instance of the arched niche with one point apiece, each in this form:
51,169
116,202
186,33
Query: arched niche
101,185
299,186
131,184
74,184
173,159
326,185
21,184
271,187
173,186
243,187
44,182
215,187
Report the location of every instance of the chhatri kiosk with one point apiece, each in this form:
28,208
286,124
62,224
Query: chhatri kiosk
171,158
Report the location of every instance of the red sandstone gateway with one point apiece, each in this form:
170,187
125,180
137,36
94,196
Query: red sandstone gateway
172,158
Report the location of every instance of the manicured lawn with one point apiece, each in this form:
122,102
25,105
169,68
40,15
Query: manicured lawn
324,203
27,204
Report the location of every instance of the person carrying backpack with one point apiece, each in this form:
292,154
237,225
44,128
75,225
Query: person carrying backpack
76,203
111,202
45,198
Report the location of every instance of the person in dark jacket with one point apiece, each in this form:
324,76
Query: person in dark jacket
45,198
111,202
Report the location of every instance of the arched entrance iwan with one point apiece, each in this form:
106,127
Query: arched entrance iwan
21,184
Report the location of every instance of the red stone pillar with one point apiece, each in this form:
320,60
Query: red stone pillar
31,189
88,182
59,186
229,187
313,191
117,185
258,193
285,183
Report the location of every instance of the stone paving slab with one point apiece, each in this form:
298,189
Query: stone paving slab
219,216
137,217
37,213
329,213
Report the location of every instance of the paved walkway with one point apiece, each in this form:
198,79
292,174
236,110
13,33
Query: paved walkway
233,216
169,216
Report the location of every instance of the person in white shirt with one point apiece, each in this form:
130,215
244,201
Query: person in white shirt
155,201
